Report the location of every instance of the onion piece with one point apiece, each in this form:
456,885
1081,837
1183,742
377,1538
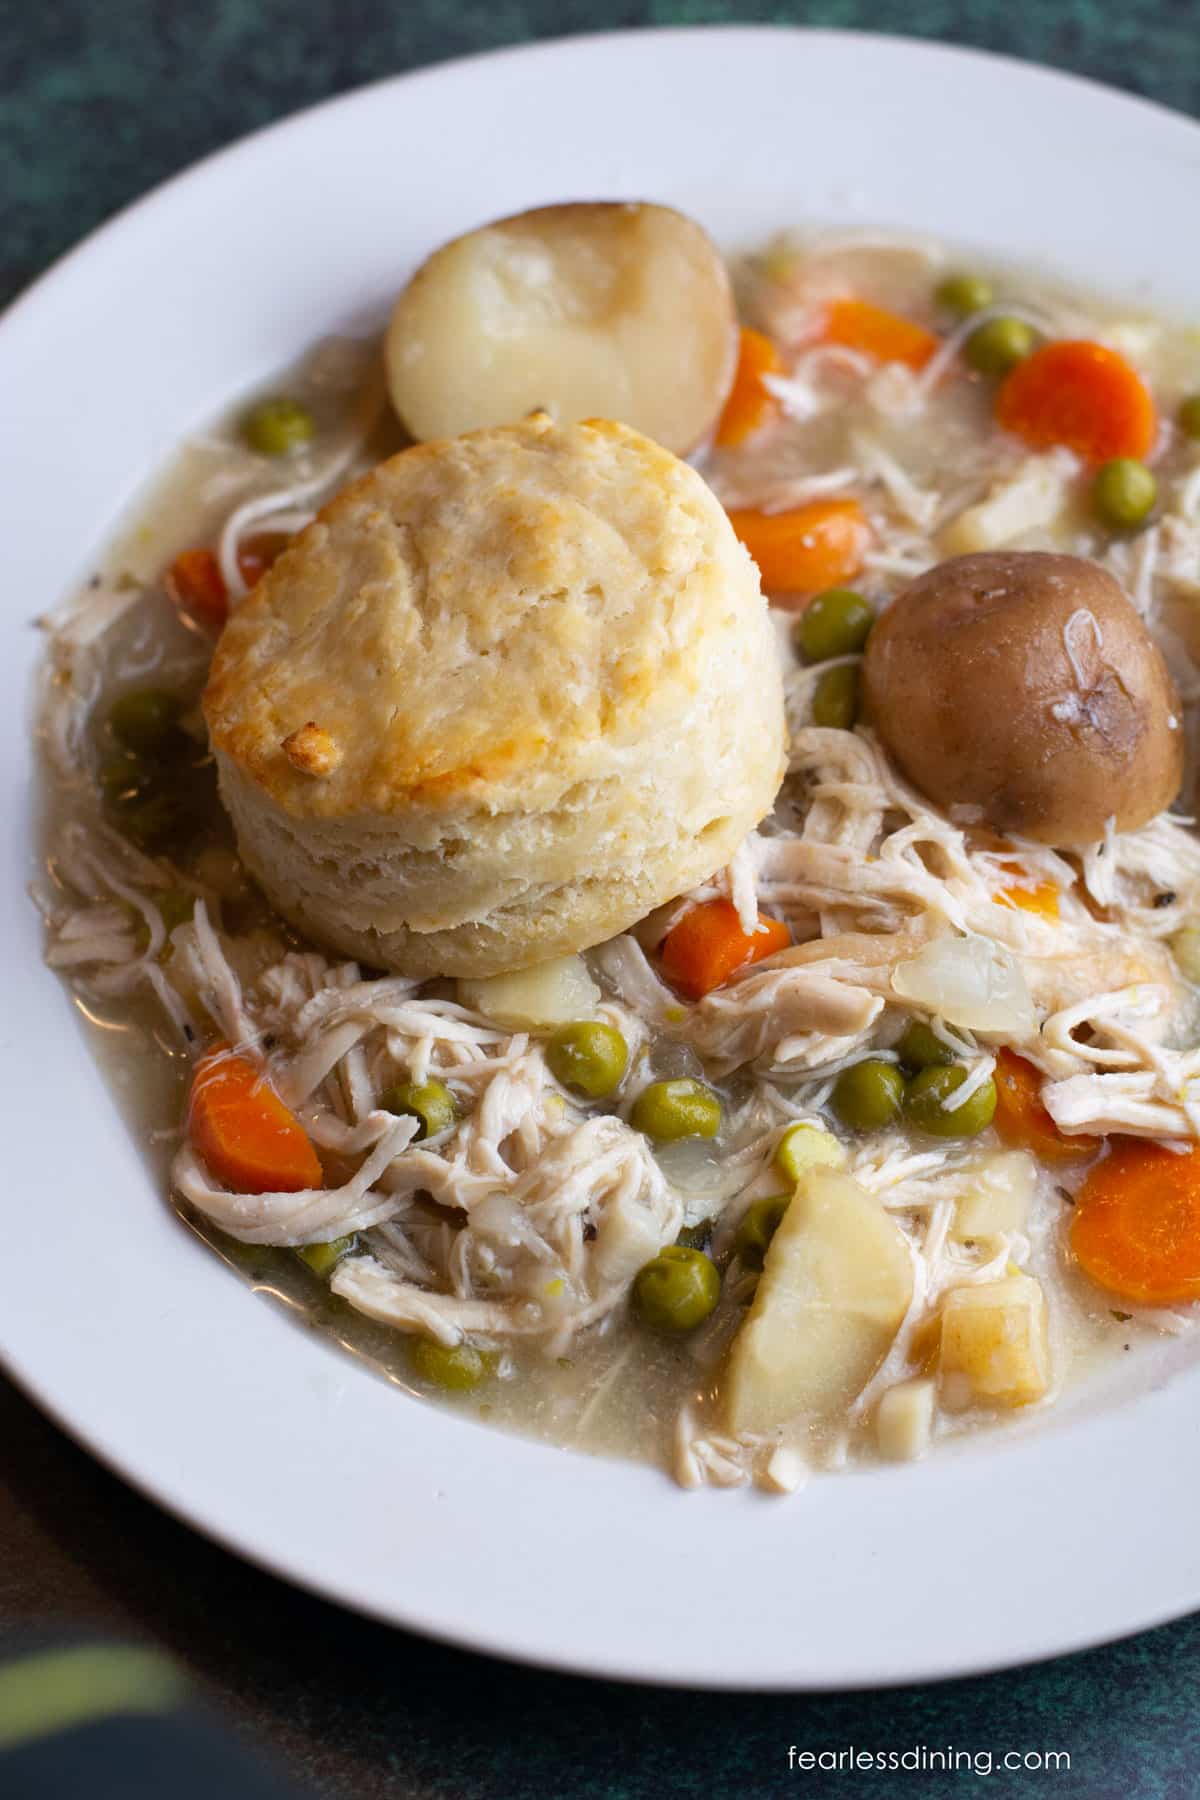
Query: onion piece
971,982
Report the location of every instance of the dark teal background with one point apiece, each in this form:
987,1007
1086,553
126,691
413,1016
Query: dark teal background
103,98
99,102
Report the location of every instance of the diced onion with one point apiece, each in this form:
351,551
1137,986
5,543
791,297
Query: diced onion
1034,499
971,982
1186,945
703,1178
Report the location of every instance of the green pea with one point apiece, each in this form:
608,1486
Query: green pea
835,698
668,1110
835,623
805,1147
176,906
429,1102
144,719
161,803
964,293
1189,416
678,1290
868,1095
455,1367
323,1259
277,427
151,818
1123,492
122,774
165,806
922,1048
588,1056
925,1103
758,1226
998,346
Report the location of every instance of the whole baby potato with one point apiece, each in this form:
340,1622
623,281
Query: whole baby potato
610,309
1026,688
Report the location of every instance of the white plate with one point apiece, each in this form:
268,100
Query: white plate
114,1318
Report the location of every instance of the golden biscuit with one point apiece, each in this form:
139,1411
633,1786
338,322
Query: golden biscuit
507,693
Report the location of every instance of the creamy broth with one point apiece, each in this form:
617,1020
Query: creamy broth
918,454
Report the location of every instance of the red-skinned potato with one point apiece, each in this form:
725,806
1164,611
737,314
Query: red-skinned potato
608,309
1025,687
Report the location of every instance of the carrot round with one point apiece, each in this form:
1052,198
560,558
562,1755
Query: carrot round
859,325
246,1136
1042,899
1136,1225
708,945
1022,1120
817,546
750,404
195,583
1080,394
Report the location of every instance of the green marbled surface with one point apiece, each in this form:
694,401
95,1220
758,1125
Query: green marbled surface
101,99
98,102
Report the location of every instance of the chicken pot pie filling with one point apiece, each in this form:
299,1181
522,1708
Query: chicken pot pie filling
886,1130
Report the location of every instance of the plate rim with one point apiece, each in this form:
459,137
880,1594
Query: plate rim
468,1634
347,97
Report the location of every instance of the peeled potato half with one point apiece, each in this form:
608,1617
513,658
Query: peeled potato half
613,309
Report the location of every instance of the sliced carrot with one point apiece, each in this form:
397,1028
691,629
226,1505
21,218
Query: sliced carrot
708,945
257,553
1136,1225
1080,394
195,583
858,325
1023,1121
245,1134
1041,899
816,546
750,404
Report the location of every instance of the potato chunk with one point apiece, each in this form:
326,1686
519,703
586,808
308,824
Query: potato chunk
607,309
549,993
995,1345
836,1283
904,1420
999,1197
1032,500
